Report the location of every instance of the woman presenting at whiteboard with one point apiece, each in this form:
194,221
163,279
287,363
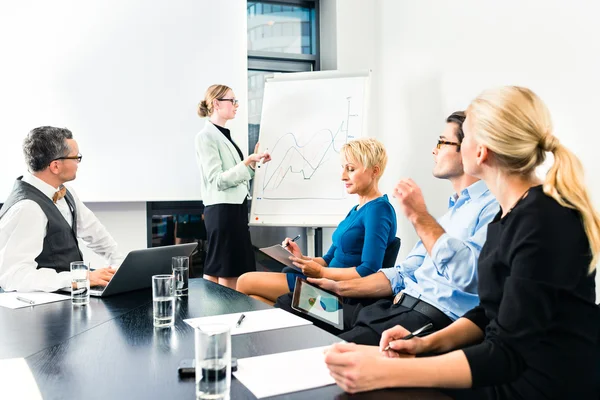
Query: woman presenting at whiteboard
225,176
360,240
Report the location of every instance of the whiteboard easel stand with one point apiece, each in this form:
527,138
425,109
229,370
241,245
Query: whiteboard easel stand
314,242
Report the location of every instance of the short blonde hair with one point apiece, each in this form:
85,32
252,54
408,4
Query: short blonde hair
205,107
514,123
367,151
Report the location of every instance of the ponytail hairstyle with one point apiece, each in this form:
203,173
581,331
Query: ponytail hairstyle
205,107
515,125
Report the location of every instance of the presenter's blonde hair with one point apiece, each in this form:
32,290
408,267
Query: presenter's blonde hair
515,125
205,107
367,151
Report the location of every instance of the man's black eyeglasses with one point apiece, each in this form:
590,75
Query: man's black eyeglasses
235,102
78,157
441,142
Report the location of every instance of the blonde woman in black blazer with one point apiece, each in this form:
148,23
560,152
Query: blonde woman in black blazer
225,176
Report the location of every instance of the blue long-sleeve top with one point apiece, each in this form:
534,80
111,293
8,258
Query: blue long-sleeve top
361,238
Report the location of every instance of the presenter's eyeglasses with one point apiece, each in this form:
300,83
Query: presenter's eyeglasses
78,157
440,143
235,102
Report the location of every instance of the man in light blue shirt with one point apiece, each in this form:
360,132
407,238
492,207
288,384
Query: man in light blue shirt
437,282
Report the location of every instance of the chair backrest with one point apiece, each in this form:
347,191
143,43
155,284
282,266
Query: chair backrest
391,253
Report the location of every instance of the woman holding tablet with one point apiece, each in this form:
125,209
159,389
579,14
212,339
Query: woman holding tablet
535,332
225,176
360,240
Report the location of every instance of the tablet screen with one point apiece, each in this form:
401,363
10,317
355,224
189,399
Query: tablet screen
318,303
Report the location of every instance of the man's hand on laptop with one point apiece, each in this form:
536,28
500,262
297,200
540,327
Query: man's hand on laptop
102,276
325,283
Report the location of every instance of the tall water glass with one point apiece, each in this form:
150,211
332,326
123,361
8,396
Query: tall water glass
181,274
163,298
80,283
213,361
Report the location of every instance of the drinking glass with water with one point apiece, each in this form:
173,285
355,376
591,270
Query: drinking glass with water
213,361
181,274
163,298
80,283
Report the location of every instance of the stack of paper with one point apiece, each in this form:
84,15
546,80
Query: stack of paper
281,373
17,381
254,321
10,300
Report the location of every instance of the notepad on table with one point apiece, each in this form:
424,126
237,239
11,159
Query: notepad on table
281,373
9,299
254,321
17,381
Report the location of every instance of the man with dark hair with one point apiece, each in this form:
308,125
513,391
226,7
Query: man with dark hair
437,282
42,219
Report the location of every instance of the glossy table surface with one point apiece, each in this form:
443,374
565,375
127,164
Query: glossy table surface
110,349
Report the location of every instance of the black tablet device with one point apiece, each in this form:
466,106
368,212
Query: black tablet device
318,303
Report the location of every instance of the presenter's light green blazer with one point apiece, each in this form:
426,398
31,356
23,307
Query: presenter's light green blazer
224,177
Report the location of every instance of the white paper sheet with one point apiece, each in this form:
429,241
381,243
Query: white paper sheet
255,321
280,254
17,381
9,299
281,373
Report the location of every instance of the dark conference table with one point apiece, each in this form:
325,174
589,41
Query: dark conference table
110,349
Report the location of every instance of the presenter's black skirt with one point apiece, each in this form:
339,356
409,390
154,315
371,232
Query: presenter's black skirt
230,252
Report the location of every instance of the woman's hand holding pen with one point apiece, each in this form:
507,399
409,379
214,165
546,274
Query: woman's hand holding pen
392,339
293,248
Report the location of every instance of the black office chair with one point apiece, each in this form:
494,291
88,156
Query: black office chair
389,257
391,253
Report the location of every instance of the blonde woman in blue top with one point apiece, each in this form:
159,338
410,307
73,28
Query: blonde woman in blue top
360,240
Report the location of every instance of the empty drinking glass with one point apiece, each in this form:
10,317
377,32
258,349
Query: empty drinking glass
163,299
80,283
181,274
213,361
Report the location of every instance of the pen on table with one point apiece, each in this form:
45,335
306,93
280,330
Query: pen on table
413,334
24,300
293,240
239,322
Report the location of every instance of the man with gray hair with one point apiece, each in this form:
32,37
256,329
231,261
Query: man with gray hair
42,219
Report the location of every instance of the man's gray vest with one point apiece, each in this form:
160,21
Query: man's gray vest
60,243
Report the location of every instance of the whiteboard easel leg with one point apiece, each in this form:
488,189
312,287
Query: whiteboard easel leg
310,242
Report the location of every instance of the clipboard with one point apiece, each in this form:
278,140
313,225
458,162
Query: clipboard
280,254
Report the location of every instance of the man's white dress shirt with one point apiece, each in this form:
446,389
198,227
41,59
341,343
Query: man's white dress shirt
22,233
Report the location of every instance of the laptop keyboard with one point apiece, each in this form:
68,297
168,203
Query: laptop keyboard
97,288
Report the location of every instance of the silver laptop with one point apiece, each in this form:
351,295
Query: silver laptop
138,267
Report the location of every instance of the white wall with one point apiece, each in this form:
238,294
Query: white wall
126,78
430,58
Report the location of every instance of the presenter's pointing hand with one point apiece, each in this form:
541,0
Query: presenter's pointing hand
266,157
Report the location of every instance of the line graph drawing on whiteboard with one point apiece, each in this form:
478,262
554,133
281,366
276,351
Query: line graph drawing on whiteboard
300,161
